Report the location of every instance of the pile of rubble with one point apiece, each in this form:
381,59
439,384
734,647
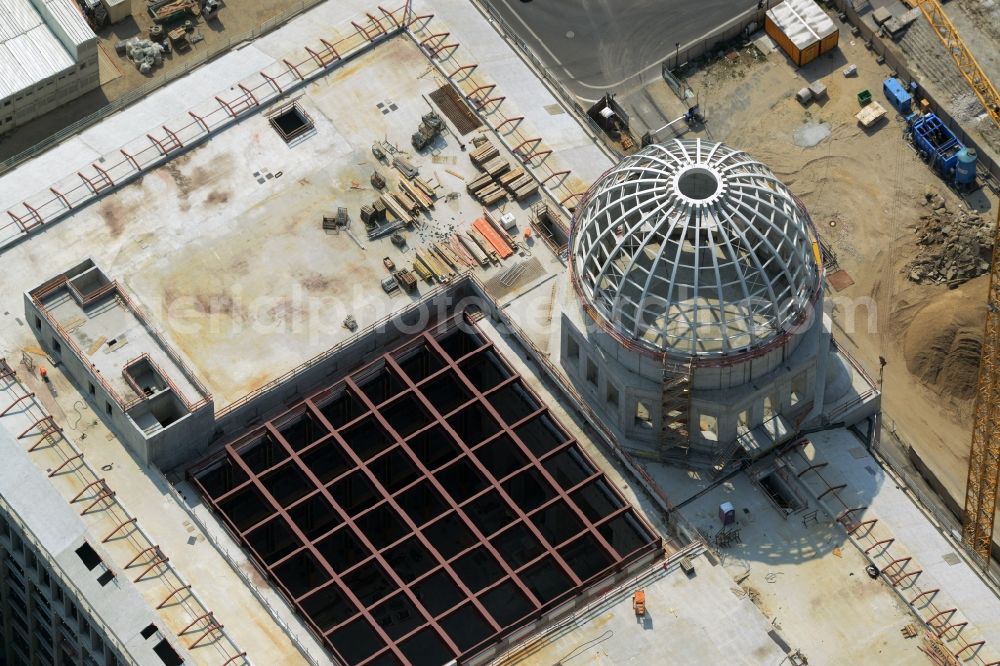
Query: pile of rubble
954,246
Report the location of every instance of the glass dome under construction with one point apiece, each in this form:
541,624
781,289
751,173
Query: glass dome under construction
694,248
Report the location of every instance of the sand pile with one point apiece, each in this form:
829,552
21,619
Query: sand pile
943,342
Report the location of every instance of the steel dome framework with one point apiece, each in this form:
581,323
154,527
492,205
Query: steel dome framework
693,249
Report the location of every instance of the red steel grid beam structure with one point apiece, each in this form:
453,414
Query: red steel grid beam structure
309,410
232,660
311,545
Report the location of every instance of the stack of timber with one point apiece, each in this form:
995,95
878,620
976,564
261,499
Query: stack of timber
473,248
496,166
498,179
396,208
484,153
416,194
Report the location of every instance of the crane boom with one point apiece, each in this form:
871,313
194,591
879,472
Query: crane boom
960,53
984,456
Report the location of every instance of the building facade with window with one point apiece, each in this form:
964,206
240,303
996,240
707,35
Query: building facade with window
48,57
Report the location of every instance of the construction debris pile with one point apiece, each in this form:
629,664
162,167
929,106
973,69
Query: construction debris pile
146,54
954,246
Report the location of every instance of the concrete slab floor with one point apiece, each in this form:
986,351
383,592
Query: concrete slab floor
701,619
235,271
808,580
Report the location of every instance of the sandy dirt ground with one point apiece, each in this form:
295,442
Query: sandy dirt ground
119,75
867,192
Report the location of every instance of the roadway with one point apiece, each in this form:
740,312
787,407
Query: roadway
597,46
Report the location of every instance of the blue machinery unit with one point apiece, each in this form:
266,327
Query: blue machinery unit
934,141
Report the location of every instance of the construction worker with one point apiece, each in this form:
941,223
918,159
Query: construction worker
44,373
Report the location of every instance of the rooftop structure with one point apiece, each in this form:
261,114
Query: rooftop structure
696,326
154,403
48,55
425,506
694,249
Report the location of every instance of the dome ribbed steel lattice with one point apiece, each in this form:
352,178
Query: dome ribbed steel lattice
694,249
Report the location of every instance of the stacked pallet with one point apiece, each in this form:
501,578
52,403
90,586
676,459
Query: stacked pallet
368,214
484,153
393,206
495,167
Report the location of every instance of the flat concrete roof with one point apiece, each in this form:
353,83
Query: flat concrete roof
112,336
696,619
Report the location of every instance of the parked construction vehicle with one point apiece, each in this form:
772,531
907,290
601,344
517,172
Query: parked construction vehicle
431,125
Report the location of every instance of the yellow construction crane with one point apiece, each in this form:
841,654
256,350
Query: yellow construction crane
984,456
960,53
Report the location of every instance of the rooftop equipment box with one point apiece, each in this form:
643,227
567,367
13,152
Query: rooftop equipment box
802,29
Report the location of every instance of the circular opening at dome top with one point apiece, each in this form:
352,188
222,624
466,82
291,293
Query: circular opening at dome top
698,183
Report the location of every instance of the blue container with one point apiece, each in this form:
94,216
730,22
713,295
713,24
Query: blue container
897,95
965,167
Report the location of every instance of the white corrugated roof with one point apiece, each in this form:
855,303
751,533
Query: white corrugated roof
803,21
37,42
